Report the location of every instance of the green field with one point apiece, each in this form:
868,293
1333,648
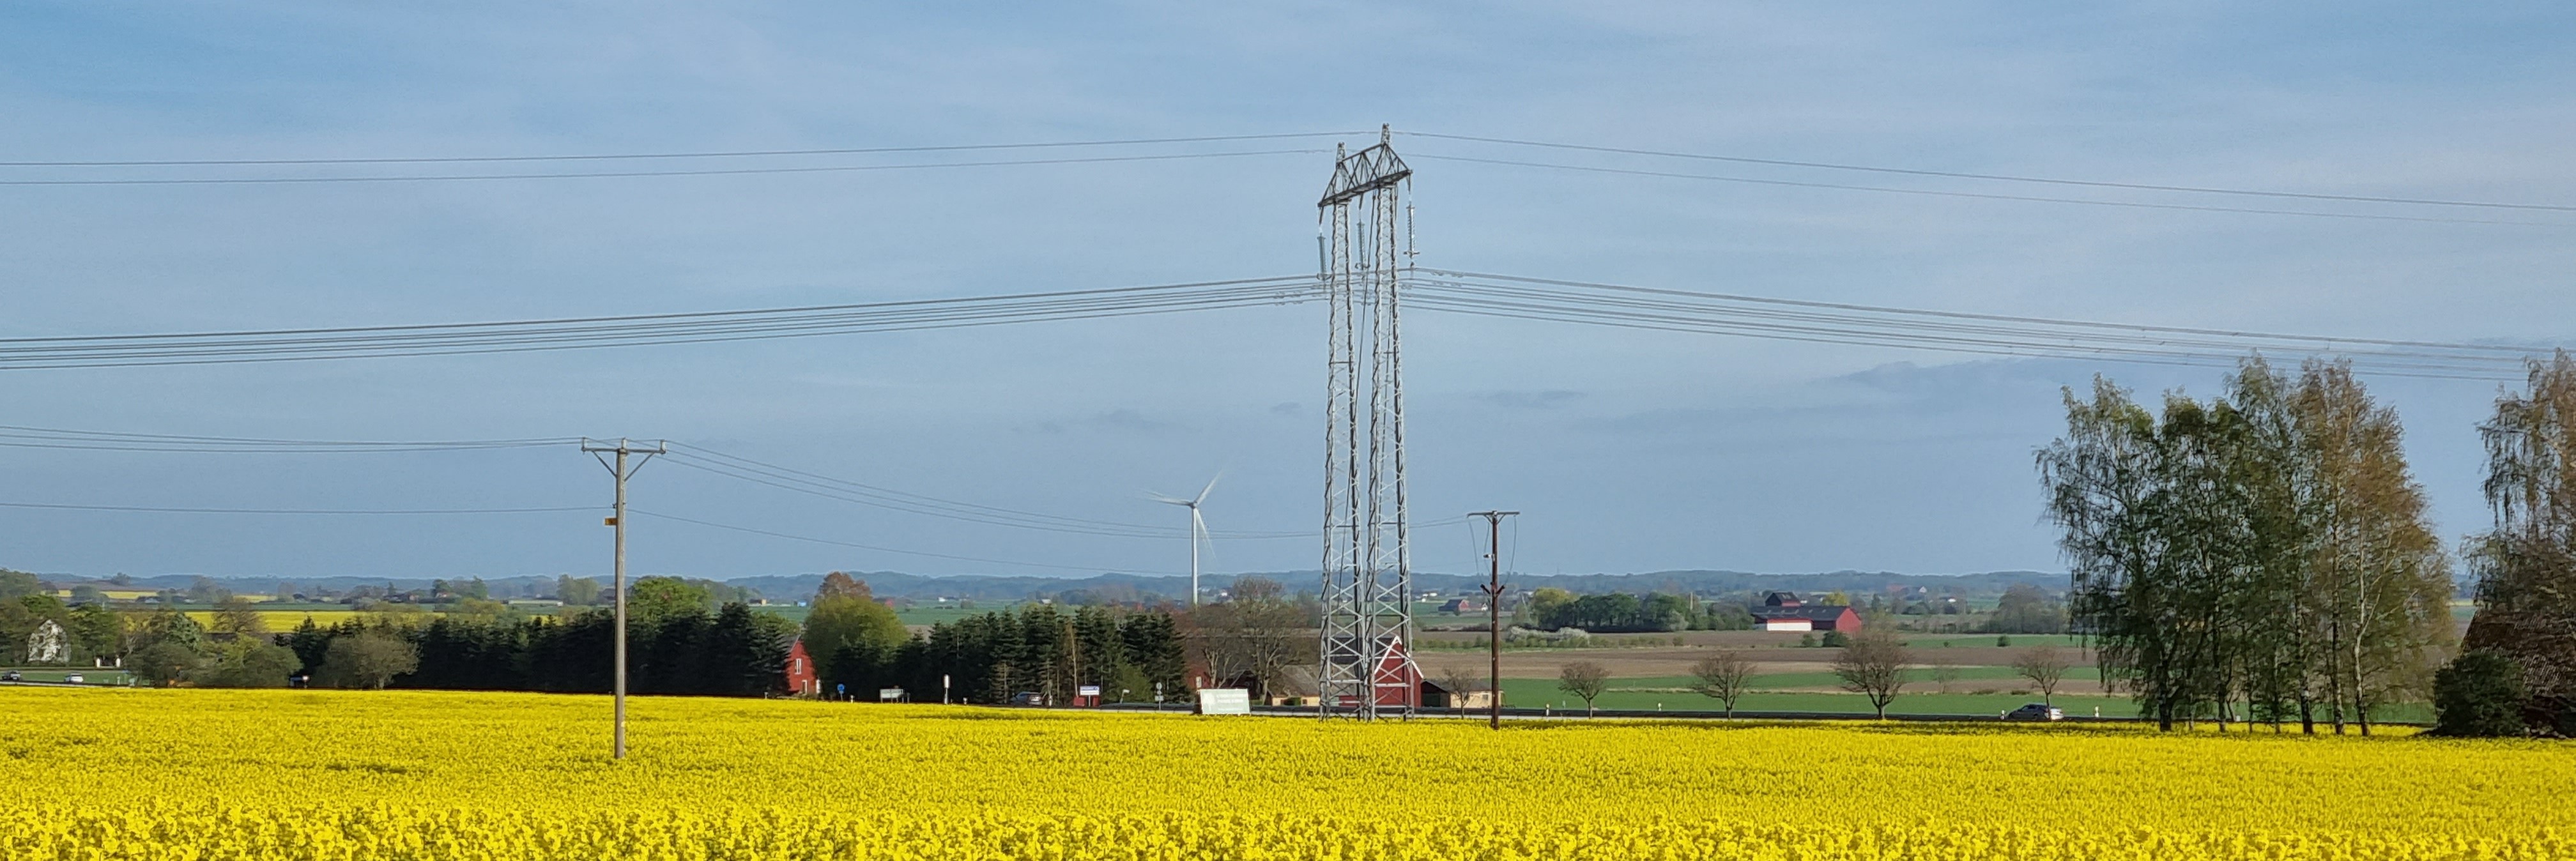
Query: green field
1943,641
55,674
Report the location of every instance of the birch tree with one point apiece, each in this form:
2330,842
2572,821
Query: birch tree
2526,565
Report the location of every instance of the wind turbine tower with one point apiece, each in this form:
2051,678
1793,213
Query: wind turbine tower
1367,595
1198,531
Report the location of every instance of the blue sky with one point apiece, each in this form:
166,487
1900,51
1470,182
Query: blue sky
1629,451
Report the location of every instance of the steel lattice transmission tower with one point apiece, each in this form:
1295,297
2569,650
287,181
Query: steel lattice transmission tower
1367,234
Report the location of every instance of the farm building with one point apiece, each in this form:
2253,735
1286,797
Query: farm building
1434,696
801,679
1800,617
1295,686
1399,682
1462,605
1397,679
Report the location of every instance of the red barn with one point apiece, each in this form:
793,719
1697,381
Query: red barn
800,672
1397,679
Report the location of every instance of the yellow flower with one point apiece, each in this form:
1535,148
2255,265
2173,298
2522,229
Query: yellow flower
209,775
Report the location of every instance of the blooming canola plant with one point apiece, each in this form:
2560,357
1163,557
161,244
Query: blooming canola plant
212,775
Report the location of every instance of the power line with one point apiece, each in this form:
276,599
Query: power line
649,173
19,436
1975,195
1842,323
1139,532
676,155
811,539
2005,318
690,457
197,348
1483,294
297,511
817,484
2192,189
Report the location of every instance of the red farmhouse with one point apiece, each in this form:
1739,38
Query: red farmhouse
800,672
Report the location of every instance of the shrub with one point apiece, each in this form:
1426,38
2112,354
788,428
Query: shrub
1836,639
251,662
2479,694
164,663
1806,641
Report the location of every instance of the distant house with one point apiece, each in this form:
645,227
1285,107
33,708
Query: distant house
801,679
1398,682
1462,605
1781,599
1802,617
1295,686
1436,697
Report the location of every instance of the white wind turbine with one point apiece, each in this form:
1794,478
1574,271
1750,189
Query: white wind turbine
1198,530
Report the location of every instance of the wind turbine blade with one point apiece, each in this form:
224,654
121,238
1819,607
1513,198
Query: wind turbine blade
1169,500
1203,492
1199,533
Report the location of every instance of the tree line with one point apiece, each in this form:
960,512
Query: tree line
2263,555
1615,612
681,640
859,649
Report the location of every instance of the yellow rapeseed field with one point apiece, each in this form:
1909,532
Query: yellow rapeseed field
211,775
282,621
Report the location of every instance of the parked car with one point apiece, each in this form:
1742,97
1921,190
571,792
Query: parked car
11,676
75,678
2036,711
1028,698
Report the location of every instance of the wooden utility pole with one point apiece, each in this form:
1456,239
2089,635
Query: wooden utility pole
1494,609
622,447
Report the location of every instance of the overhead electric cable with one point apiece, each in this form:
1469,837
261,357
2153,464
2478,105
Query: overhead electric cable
299,511
2126,204
879,150
1723,321
1845,323
1965,315
803,481
1462,292
806,538
190,348
37,437
703,466
275,180
2137,186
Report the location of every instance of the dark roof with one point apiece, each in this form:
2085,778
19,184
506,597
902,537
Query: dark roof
1813,611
